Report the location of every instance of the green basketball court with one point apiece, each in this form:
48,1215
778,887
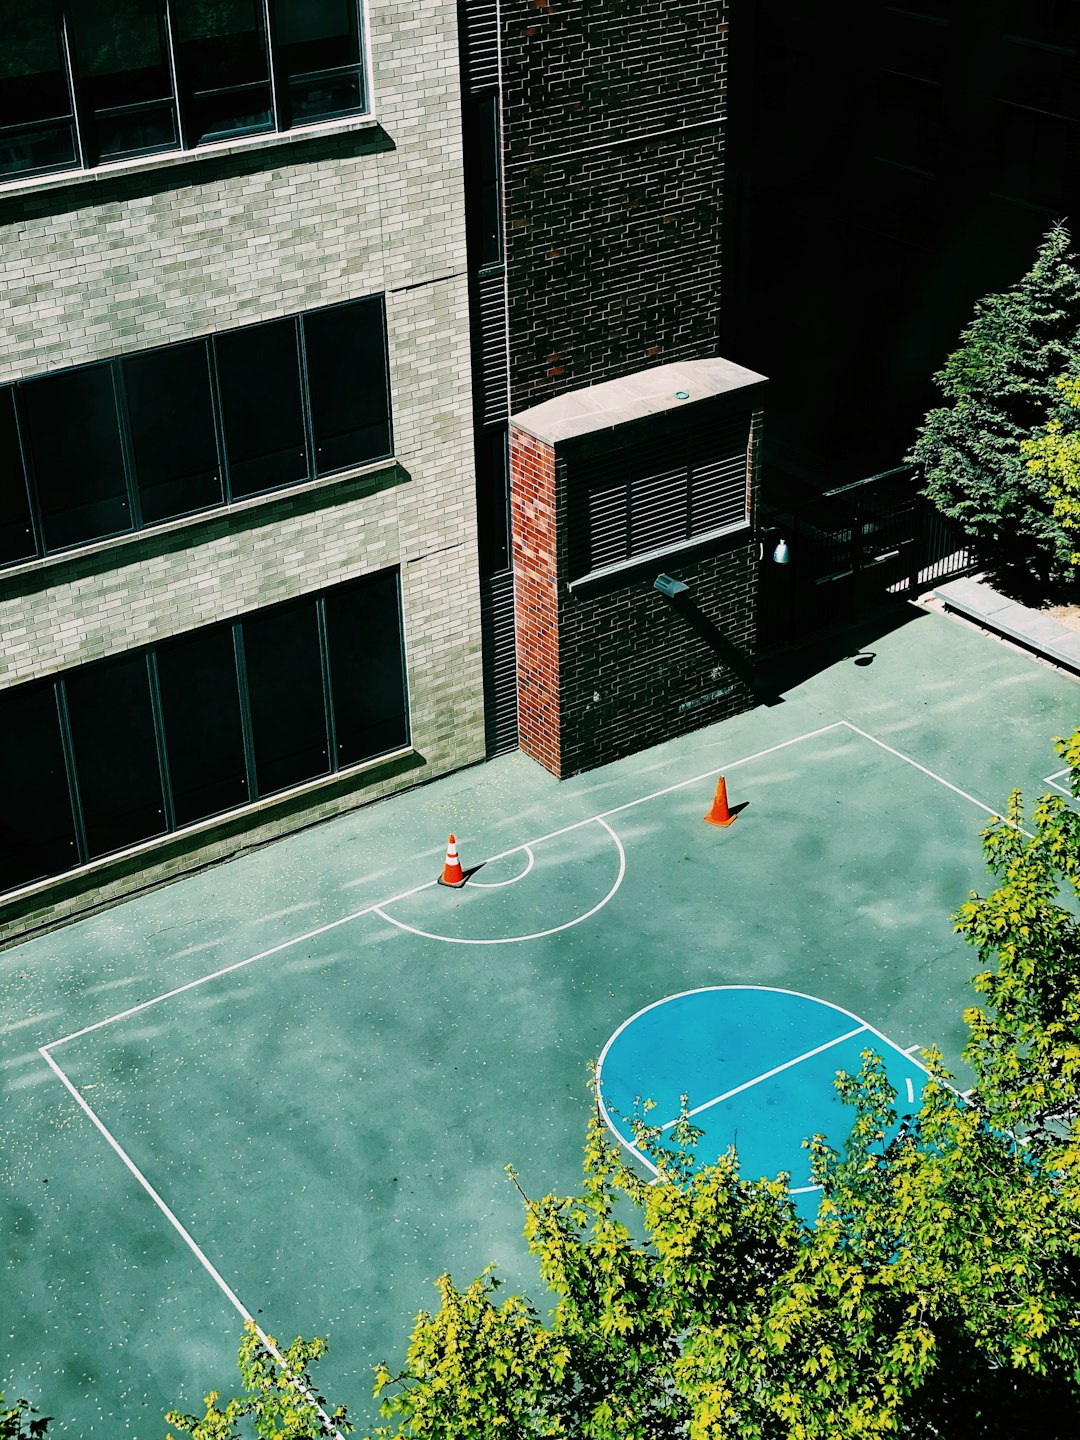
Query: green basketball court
288,1086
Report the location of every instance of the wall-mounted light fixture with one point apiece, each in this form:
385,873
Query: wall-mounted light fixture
781,554
670,587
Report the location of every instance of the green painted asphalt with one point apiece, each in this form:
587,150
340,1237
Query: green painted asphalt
329,1122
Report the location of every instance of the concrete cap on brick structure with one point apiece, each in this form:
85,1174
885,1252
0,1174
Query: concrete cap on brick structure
620,402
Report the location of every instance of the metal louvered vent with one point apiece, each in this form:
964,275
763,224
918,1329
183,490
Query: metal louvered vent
479,24
490,337
658,495
500,662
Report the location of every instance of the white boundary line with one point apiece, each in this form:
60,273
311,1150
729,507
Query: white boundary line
601,818
186,1236
517,939
501,884
862,1025
932,774
768,1074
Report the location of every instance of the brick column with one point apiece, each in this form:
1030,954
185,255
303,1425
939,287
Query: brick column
536,596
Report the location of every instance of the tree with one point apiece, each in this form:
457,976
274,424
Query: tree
1000,383
22,1422
279,1396
937,1293
1054,457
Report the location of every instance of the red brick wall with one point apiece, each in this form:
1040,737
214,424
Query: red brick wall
536,596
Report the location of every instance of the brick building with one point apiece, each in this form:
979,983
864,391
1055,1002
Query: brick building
596,291
239,583
289,288
255,513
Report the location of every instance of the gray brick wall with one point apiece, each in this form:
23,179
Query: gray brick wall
118,263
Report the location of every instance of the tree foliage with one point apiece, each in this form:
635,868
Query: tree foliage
937,1293
1053,456
1000,385
21,1421
279,1398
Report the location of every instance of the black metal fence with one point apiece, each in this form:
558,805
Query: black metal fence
850,550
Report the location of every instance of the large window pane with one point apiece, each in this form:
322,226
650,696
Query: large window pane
36,131
288,715
200,707
346,365
116,758
367,671
37,835
222,60
171,417
259,374
317,47
124,75
78,464
16,533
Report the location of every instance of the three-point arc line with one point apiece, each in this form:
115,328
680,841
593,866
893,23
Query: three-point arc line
602,818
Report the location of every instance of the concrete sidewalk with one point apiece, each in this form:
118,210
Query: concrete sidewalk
976,600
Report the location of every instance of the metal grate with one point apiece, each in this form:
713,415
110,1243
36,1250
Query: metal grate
491,342
479,24
500,662
649,499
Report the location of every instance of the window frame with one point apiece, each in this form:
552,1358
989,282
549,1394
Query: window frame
83,117
114,366
157,737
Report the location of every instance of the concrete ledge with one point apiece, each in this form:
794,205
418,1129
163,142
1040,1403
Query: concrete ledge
1044,635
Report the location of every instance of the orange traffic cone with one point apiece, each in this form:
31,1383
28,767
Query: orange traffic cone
720,814
452,874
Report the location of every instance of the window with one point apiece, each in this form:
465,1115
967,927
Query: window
259,370
1036,155
350,394
37,829
73,432
909,120
121,57
288,722
112,447
171,417
154,740
115,753
204,738
37,129
367,669
83,82
319,54
658,496
16,531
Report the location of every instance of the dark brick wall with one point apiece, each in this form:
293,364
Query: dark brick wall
609,666
612,221
637,669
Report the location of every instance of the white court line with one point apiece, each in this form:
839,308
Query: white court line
517,939
500,884
428,884
934,776
703,989
910,1049
768,1074
346,919
1061,789
186,1236
229,969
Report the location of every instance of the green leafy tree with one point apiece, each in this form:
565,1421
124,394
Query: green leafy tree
21,1421
937,1293
1000,388
279,1397
1054,458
